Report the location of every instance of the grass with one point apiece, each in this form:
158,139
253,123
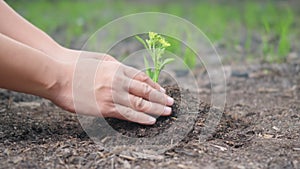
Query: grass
282,29
221,21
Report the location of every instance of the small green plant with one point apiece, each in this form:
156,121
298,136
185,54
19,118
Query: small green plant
284,45
267,47
155,45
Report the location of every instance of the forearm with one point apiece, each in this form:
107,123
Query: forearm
15,26
26,69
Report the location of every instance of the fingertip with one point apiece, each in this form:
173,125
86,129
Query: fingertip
170,101
151,120
167,111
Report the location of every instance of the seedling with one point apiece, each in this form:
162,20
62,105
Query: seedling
267,47
155,45
284,45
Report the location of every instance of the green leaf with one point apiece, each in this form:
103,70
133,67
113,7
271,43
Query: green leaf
190,58
165,62
148,69
142,41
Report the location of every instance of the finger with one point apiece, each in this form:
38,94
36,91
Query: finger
142,105
147,92
141,76
109,58
100,56
126,113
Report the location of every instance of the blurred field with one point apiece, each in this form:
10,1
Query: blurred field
246,30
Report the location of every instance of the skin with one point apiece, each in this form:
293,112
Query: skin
32,62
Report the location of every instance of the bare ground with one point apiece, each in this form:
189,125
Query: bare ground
260,128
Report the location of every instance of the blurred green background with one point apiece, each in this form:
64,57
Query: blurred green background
248,31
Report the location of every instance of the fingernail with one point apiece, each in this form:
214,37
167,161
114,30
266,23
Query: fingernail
152,120
167,111
162,90
170,101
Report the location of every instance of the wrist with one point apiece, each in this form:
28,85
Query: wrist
51,80
59,89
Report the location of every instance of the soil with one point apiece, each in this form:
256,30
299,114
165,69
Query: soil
260,128
163,122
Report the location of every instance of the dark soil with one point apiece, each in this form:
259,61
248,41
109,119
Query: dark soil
163,122
260,128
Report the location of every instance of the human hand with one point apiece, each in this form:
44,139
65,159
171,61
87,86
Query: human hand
82,82
102,86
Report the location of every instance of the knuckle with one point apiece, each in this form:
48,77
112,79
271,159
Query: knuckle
127,113
140,104
143,77
146,90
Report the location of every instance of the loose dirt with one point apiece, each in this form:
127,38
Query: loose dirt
260,128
